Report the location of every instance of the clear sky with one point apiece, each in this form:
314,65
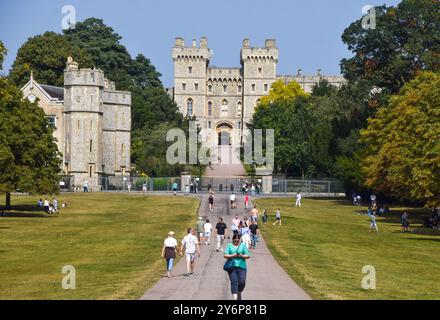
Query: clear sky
308,32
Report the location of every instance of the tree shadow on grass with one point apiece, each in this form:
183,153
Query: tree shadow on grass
425,239
24,211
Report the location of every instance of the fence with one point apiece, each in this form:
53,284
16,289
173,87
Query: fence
226,184
119,183
307,186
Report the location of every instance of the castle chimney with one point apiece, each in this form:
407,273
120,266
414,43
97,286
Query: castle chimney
246,43
70,64
270,43
179,42
300,72
203,42
194,43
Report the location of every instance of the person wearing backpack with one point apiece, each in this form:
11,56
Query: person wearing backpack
236,254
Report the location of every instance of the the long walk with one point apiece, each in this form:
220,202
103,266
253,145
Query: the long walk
266,280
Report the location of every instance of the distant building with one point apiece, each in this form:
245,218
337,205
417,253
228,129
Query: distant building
92,124
224,99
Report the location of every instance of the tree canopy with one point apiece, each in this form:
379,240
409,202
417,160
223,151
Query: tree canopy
29,157
402,157
3,52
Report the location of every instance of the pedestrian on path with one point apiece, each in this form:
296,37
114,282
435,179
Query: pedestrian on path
210,202
220,231
254,234
264,218
254,214
144,188
169,251
175,188
207,227
191,245
246,201
237,276
200,229
232,200
298,199
245,234
278,217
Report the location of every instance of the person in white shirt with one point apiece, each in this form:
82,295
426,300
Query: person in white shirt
298,200
232,199
191,245
169,251
208,230
46,205
86,188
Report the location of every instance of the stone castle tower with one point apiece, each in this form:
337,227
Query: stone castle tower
224,99
92,123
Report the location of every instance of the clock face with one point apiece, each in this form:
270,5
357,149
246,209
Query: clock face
31,97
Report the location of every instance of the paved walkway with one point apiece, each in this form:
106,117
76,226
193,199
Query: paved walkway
266,280
228,166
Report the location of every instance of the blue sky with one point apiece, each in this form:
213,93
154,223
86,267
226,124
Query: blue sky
308,32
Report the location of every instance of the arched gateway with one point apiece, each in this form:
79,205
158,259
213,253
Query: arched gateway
224,134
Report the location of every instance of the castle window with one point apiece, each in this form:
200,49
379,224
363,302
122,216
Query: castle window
265,87
51,121
259,70
209,88
209,124
189,107
190,70
253,87
224,108
90,171
239,109
122,152
196,87
239,125
183,86
91,145
209,109
225,88
239,89
77,125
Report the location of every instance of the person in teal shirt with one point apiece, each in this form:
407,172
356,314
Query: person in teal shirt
174,188
239,253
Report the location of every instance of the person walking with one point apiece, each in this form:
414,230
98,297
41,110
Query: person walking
245,234
298,199
46,205
86,186
175,188
144,188
169,252
208,229
210,202
246,201
405,222
191,245
238,252
254,214
200,229
129,186
278,217
232,200
254,234
55,205
373,224
264,218
220,228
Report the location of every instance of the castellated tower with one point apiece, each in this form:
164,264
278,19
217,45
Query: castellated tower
83,122
190,69
259,67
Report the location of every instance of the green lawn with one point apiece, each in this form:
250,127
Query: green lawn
113,241
324,244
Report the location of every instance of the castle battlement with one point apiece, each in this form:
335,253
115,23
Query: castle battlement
180,51
116,97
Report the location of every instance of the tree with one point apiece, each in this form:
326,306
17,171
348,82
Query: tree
406,40
3,52
29,158
402,157
46,56
279,91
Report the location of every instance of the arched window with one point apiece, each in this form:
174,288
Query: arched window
209,88
225,89
209,113
189,107
225,108
239,109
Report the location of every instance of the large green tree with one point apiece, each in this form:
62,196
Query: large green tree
29,158
402,157
46,56
405,40
3,52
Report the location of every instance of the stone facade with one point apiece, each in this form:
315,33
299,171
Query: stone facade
224,99
92,123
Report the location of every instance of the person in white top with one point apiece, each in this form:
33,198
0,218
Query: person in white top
46,205
169,251
191,245
232,199
86,186
208,230
298,200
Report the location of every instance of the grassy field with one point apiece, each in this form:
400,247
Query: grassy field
324,244
113,241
